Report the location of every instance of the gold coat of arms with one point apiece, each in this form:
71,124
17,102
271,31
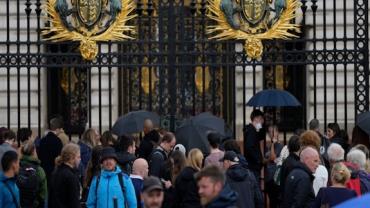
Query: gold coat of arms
253,21
88,21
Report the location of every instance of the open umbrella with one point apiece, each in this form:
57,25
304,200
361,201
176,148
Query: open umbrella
360,202
273,98
133,122
194,131
363,121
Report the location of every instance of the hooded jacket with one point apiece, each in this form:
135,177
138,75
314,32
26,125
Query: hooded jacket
243,182
6,198
109,188
226,199
298,191
186,189
43,188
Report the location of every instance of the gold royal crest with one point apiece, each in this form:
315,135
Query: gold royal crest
253,21
88,21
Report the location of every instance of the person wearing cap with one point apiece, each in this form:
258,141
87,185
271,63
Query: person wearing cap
152,193
242,181
111,188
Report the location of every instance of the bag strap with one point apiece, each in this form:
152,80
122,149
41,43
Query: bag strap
12,193
123,188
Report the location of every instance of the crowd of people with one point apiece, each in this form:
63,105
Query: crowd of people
103,171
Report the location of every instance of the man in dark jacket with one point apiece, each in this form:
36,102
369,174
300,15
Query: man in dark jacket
212,189
126,153
50,147
252,143
159,156
151,138
242,181
186,189
299,192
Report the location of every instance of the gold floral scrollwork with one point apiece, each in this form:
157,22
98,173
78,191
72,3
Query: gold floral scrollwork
148,83
200,85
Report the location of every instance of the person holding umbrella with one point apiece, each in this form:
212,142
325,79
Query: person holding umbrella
252,143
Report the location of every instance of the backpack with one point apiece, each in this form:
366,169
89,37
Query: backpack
121,183
354,184
28,183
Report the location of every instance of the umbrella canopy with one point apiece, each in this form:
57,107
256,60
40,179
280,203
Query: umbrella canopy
363,121
193,136
273,98
133,122
194,131
211,121
359,202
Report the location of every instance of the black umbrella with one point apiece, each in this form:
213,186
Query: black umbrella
273,98
211,121
363,121
133,122
194,131
193,136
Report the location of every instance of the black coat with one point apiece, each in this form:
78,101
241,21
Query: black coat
226,199
243,182
186,189
158,165
288,165
252,151
65,188
50,148
125,161
298,191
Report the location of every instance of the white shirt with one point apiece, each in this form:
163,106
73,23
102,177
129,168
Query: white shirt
321,178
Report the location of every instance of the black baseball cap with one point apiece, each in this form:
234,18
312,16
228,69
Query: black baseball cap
152,183
231,156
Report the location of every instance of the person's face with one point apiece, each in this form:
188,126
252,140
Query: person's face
152,199
226,164
15,167
169,146
145,170
131,149
330,133
208,190
312,163
97,137
109,164
77,160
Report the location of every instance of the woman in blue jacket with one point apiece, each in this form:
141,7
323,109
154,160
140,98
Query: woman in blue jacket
112,188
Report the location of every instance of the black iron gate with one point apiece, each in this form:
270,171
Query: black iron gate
174,69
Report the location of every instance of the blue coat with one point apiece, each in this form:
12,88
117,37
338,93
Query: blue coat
6,199
109,188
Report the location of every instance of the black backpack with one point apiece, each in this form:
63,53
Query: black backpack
28,183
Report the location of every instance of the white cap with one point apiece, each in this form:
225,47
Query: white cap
181,148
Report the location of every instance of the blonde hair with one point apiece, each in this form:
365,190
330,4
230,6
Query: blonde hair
340,173
69,152
89,137
28,147
195,159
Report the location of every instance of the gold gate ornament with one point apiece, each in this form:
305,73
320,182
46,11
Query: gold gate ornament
253,21
88,21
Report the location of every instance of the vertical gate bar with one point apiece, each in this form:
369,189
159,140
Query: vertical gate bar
314,9
70,101
304,97
244,88
193,10
109,86
89,94
203,39
161,60
182,60
99,87
8,61
38,13
18,66
140,41
345,65
335,58
361,18
254,76
234,106
214,68
28,12
150,12
171,63
325,65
